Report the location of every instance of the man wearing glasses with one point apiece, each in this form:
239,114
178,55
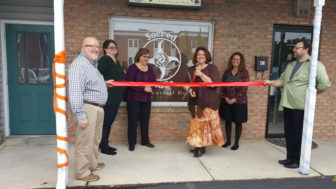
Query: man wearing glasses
87,95
295,80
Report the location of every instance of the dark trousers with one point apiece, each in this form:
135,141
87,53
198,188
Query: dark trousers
110,113
293,120
138,112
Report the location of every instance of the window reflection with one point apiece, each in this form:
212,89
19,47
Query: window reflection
33,58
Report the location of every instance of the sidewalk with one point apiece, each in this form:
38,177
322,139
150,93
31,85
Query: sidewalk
30,162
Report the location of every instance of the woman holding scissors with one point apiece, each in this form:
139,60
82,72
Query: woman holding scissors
203,103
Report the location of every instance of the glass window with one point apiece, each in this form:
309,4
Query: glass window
136,43
170,44
130,60
33,58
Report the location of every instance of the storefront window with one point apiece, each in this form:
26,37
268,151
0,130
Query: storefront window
172,45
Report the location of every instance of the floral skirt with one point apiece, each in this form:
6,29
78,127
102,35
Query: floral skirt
205,131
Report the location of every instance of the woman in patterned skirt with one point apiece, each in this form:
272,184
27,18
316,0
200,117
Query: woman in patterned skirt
203,103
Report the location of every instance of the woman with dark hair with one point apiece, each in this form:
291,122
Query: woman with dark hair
203,103
110,68
139,98
233,106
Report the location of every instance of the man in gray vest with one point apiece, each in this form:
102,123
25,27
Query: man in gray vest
295,80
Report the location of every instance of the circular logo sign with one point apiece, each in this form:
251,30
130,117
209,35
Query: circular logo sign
166,66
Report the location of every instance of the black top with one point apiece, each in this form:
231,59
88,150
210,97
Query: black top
112,70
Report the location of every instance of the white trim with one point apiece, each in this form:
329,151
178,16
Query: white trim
110,26
4,65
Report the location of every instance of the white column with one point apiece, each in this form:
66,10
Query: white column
309,111
61,127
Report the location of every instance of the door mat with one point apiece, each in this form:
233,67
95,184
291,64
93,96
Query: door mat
281,142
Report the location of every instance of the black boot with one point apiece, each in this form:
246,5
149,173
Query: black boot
228,143
239,129
199,152
192,150
195,151
228,129
235,147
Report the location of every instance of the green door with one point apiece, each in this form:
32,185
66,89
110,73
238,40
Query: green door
30,52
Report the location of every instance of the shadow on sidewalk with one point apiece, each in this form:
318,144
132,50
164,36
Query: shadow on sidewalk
289,183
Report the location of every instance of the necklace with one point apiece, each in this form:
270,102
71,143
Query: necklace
201,66
234,71
143,68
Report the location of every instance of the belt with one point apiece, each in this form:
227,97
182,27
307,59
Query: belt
95,104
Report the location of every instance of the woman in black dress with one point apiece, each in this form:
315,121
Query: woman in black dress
233,106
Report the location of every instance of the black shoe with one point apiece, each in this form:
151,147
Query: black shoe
131,148
285,161
192,150
235,147
107,147
199,152
292,165
149,145
226,144
108,151
114,149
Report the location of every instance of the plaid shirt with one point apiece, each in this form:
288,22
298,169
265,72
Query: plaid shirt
239,93
86,84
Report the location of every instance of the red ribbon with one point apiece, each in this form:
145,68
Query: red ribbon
167,84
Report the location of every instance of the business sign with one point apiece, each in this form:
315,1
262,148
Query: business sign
189,4
166,65
171,43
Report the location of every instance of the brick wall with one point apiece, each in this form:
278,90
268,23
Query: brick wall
243,25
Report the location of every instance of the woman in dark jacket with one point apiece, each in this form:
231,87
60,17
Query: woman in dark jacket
110,68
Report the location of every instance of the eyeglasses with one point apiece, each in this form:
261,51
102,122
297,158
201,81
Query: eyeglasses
296,48
146,57
112,48
92,47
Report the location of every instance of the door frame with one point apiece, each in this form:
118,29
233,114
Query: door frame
4,65
282,28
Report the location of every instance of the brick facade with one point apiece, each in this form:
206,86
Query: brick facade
243,25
